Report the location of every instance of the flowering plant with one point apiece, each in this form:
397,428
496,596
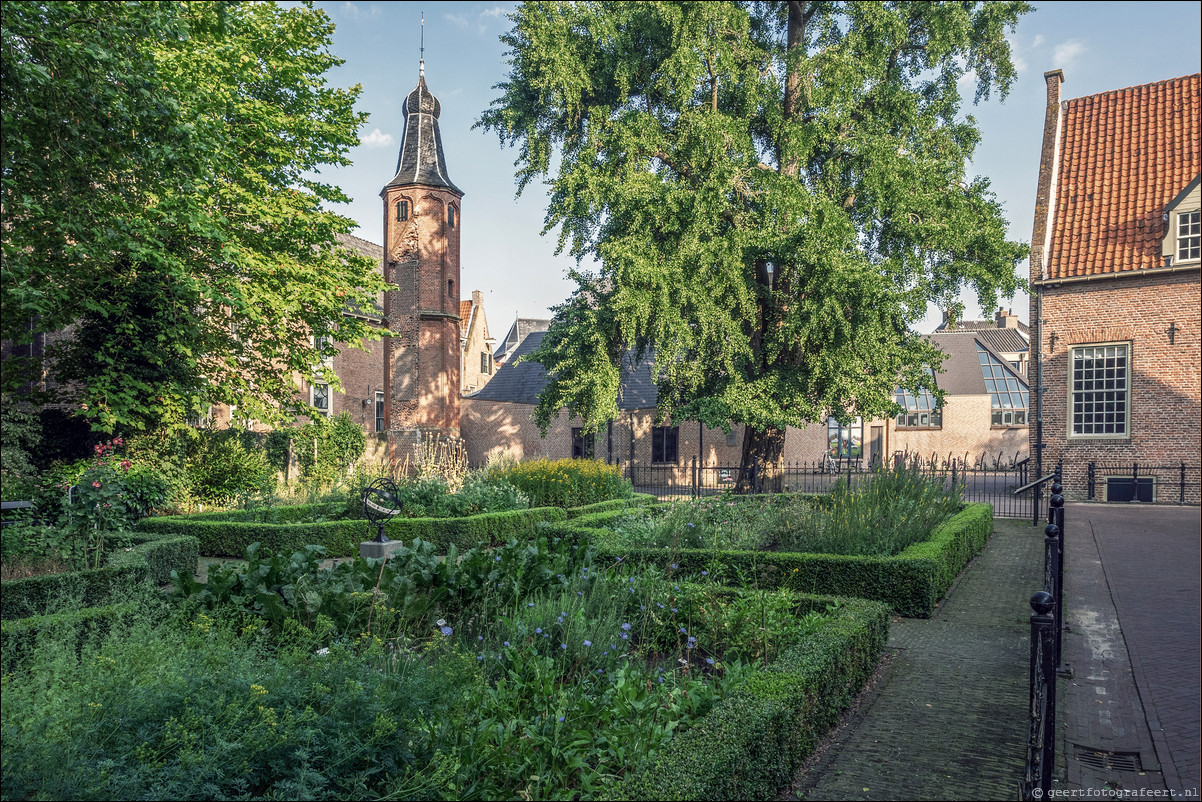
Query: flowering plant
101,502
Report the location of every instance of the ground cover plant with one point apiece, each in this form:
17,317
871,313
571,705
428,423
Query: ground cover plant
527,671
881,517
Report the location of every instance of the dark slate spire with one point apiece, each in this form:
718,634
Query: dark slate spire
421,160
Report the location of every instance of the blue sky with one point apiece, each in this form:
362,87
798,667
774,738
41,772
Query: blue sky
1100,46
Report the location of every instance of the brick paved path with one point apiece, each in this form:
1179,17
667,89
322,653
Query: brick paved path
946,720
1133,643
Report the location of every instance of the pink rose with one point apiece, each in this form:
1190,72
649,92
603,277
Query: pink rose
95,484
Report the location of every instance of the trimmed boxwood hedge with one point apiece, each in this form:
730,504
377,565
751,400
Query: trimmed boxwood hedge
19,637
618,504
911,582
152,558
226,538
750,745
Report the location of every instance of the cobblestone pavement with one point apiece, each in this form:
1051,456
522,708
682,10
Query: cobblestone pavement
946,719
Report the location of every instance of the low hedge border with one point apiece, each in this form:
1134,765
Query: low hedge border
750,745
224,538
620,504
18,638
286,514
152,558
911,582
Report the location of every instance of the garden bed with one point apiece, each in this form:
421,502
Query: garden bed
287,529
530,670
911,582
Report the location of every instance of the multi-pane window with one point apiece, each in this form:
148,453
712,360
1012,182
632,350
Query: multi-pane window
402,211
583,443
664,444
321,397
379,412
845,441
485,362
1189,236
921,409
1099,401
1009,396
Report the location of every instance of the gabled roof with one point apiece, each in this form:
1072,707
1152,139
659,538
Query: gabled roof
521,328
1004,341
1123,157
521,382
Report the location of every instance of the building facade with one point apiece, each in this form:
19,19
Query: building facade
1115,302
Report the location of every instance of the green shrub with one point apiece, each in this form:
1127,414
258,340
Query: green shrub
911,582
226,464
221,537
566,482
19,637
327,448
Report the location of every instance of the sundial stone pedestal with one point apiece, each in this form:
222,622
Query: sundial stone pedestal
380,503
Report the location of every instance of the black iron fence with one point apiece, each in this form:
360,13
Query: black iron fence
1175,483
1047,632
992,481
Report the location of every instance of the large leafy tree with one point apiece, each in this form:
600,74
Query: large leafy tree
773,193
162,203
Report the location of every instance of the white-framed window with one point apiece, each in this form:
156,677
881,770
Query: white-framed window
845,442
1009,395
1099,397
1189,236
319,397
485,362
380,412
922,409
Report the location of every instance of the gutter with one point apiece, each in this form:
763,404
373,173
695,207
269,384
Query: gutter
1152,271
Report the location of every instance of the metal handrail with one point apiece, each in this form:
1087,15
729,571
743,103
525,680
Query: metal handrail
1036,483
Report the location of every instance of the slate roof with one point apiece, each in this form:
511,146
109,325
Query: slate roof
1124,156
421,160
521,382
376,254
982,325
521,328
962,368
1004,341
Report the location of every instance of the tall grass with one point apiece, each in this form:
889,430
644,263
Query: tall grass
880,517
565,482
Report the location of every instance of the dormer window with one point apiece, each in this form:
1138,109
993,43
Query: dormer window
1189,236
402,211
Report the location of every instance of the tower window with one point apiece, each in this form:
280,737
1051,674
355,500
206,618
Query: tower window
402,211
450,216
450,288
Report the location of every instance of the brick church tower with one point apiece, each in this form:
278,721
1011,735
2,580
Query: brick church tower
421,265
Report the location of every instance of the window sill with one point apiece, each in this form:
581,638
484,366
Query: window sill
1011,426
919,428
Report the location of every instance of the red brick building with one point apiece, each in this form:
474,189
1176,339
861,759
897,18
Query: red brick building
1114,273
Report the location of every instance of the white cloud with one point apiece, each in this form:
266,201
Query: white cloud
376,139
1067,52
495,11
457,19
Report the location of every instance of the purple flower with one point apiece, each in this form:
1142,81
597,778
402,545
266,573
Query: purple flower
673,566
600,670
705,573
683,630
506,643
498,558
692,639
531,604
563,646
481,657
625,636
538,630
588,643
446,630
626,627
561,718
709,660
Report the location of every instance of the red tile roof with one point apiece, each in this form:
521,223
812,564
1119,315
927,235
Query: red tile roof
465,316
1124,155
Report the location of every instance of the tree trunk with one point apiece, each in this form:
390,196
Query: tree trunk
762,449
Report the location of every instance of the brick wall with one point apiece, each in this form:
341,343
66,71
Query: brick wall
967,433
1164,395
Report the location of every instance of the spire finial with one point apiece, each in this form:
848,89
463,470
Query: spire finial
421,67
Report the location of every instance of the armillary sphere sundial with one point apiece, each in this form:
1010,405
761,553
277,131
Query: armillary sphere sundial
381,502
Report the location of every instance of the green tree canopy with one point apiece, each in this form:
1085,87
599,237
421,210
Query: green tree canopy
162,198
773,192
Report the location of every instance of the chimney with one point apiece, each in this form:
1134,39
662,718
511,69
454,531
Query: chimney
1007,319
1049,163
